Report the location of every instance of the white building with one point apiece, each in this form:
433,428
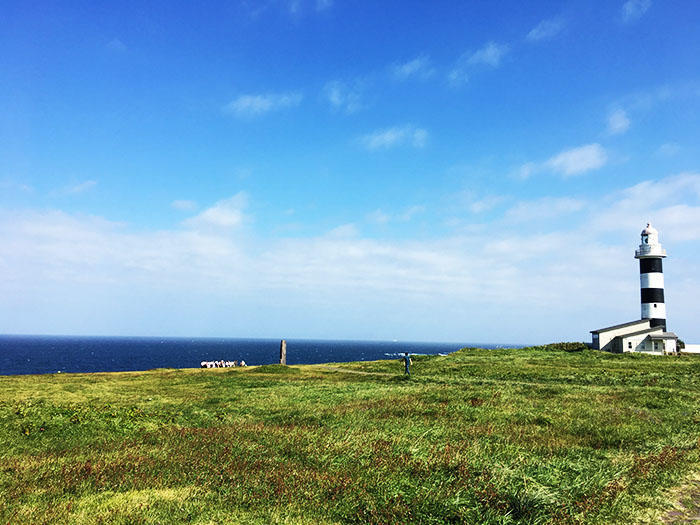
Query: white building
648,334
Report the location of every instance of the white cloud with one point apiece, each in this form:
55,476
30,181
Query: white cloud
575,161
418,137
663,191
634,9
527,170
80,187
618,122
380,217
344,96
199,278
58,254
680,221
184,205
117,46
544,208
295,8
255,105
242,173
88,253
671,203
485,204
420,68
10,184
396,136
458,76
343,231
546,29
226,213
649,99
489,55
476,204
669,149
579,160
409,213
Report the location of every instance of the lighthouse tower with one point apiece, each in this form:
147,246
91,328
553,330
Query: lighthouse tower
649,334
650,254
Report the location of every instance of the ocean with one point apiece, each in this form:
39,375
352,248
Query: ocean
25,354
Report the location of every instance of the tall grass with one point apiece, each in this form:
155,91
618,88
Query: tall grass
556,434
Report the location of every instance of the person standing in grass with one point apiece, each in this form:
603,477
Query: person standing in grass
407,363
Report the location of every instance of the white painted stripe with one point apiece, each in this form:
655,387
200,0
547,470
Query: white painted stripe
649,311
652,280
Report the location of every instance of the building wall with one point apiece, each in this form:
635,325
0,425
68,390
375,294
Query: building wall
643,343
637,343
671,346
605,338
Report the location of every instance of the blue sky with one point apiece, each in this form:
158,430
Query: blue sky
473,171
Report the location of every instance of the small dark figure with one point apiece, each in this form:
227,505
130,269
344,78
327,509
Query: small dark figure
407,363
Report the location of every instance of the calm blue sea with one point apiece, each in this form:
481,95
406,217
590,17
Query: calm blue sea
22,354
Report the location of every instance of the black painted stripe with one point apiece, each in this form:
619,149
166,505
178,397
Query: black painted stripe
657,322
652,295
650,265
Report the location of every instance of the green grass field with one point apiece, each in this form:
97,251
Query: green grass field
537,435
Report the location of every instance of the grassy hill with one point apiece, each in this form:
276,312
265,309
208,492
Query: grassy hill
541,435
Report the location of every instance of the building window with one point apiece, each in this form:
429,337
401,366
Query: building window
629,344
654,305
656,346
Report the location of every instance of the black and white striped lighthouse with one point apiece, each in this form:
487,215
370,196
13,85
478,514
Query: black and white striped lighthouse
651,275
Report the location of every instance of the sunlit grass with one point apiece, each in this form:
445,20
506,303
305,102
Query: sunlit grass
481,436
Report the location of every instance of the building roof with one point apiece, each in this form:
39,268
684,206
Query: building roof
650,331
623,325
664,335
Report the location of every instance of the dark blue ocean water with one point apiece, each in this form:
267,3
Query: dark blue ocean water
22,354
